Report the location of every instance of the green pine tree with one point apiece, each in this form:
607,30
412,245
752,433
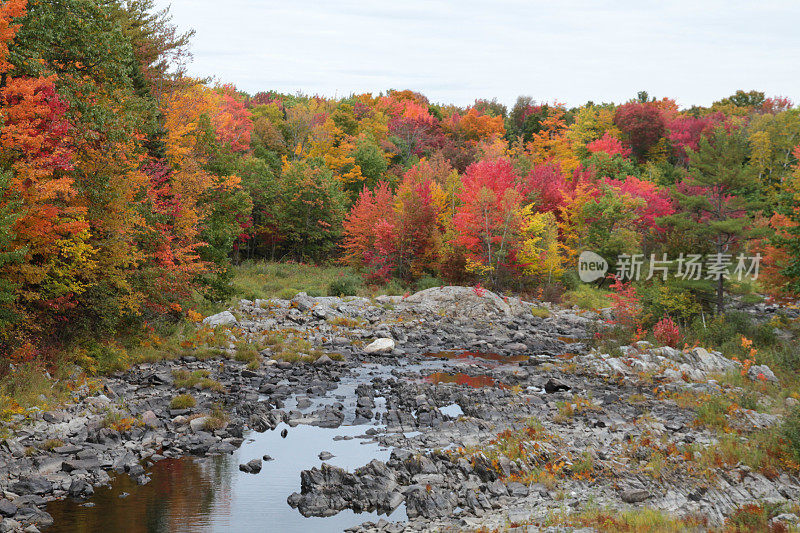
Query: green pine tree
8,293
719,199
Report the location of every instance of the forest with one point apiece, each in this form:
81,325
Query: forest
130,192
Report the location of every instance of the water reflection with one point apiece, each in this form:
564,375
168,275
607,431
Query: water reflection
460,378
199,495
479,357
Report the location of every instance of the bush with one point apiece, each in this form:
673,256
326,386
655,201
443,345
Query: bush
428,282
587,297
725,332
666,332
183,401
791,430
346,285
668,300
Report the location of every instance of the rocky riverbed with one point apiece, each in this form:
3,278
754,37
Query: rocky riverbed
494,412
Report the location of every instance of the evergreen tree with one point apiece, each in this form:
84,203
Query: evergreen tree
717,200
8,294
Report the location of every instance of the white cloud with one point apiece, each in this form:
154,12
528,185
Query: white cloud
455,51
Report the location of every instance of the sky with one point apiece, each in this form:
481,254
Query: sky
454,51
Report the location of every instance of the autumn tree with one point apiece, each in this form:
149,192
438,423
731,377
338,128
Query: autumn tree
488,217
642,124
312,208
715,200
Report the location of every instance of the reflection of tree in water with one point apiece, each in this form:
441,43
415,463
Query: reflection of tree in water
180,497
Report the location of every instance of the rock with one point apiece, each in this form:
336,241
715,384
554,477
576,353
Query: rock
8,525
69,449
224,318
785,520
761,372
303,301
251,467
198,424
554,385
791,402
149,419
463,301
32,485
267,458
517,347
7,508
323,360
33,515
80,464
634,495
379,346
324,456
80,488
432,503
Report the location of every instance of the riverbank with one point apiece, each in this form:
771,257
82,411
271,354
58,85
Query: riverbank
496,412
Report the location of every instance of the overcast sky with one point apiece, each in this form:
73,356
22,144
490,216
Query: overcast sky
455,51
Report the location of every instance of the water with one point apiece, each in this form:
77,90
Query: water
211,494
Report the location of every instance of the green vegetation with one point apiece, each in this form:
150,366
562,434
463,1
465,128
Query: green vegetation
199,379
183,401
587,297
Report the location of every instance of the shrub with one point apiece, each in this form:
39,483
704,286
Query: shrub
428,282
587,297
183,401
666,332
672,301
540,312
791,430
346,285
626,306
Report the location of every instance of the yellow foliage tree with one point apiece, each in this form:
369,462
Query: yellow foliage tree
539,250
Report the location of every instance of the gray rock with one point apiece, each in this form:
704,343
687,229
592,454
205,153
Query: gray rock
150,420
324,456
379,346
32,485
224,318
7,508
80,488
251,467
634,495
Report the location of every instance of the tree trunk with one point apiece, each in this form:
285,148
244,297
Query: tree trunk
720,295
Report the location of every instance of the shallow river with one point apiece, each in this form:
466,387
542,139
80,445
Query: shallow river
211,494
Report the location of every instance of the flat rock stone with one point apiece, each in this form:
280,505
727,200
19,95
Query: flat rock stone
380,346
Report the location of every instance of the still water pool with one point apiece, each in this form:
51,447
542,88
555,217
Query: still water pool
211,494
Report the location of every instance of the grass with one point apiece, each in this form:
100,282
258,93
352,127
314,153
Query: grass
346,322
264,280
117,421
216,419
248,353
587,297
183,401
540,312
51,444
199,379
27,386
639,521
291,348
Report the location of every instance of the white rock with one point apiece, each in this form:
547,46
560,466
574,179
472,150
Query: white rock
380,346
757,370
220,319
197,424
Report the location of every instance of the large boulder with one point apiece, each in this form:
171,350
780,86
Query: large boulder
224,318
380,346
465,301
